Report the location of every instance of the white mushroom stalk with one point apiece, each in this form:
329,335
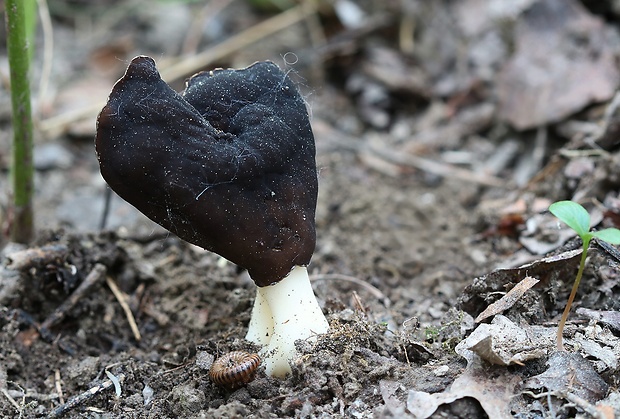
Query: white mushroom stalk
283,313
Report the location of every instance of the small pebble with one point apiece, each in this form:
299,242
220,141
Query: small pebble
441,371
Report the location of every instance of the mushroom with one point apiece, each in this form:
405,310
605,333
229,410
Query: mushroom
228,165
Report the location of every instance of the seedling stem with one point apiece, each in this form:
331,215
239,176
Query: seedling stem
571,298
578,219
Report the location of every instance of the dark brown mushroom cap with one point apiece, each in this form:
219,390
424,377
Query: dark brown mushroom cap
228,165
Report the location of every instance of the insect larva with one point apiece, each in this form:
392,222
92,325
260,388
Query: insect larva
234,369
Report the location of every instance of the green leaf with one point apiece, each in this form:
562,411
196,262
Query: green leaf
609,235
573,214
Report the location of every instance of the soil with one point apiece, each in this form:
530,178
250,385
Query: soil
404,253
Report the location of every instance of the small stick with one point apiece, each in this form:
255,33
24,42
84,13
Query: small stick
358,302
205,16
81,398
403,158
596,412
122,300
37,257
4,390
11,400
437,168
97,273
58,386
235,43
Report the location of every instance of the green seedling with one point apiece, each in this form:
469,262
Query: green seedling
576,217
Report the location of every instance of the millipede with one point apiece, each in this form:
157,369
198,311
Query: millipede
234,369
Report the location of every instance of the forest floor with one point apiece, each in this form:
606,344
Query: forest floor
444,131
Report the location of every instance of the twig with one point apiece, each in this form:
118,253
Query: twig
95,275
206,15
178,367
358,302
58,385
4,390
81,398
318,38
122,300
571,154
315,27
407,159
406,33
589,408
38,257
594,411
57,124
11,400
437,168
235,43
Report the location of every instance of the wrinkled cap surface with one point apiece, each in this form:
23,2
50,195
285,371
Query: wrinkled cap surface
228,164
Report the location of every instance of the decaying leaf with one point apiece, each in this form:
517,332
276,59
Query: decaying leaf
388,391
564,60
494,390
509,299
504,343
474,296
596,351
570,372
609,318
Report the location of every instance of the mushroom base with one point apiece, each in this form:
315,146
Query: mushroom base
283,313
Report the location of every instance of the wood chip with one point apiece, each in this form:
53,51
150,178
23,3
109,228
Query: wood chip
509,299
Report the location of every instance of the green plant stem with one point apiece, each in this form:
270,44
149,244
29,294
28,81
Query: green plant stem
22,171
571,298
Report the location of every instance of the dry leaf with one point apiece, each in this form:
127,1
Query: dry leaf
609,318
570,372
504,343
564,61
474,296
494,391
